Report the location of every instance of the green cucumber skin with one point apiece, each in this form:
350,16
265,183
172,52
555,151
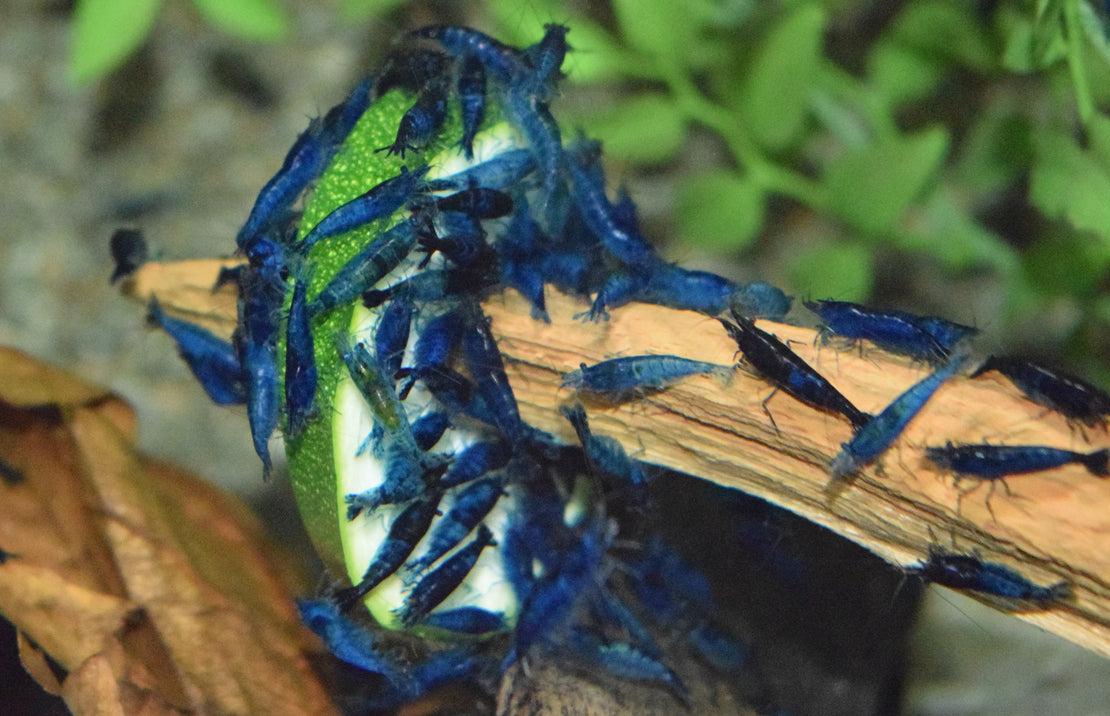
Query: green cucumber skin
356,169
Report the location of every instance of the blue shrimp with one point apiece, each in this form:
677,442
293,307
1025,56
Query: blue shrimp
429,428
366,268
410,68
996,462
421,122
876,436
472,100
483,360
466,620
300,364
760,300
437,585
129,251
962,571
627,662
588,189
774,360
391,335
348,641
603,453
213,361
502,172
10,474
463,242
546,57
893,331
500,60
1073,398
409,474
407,530
377,203
478,202
436,343
480,458
619,379
471,506
261,294
342,118
545,140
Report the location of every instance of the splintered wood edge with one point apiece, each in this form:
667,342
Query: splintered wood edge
1054,527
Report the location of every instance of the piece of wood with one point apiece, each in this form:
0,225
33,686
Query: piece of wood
1056,526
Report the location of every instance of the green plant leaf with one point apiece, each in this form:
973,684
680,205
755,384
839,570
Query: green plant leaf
645,129
1070,184
900,73
360,10
944,229
106,32
250,19
776,95
720,211
659,29
835,270
871,187
943,30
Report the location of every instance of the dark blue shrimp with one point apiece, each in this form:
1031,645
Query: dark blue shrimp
880,432
449,666
212,360
545,140
997,462
500,60
603,453
760,300
502,172
300,365
894,331
471,506
480,458
463,241
303,163
466,620
546,57
619,379
342,118
410,68
421,122
947,333
345,639
1073,398
10,474
128,251
472,100
483,361
774,360
261,294
429,428
409,474
366,268
435,345
478,202
588,189
391,335
963,571
627,662
438,584
407,530
378,203
555,595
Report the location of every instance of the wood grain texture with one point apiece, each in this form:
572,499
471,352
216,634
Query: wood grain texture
1055,526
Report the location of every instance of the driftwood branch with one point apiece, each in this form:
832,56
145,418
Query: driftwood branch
1055,526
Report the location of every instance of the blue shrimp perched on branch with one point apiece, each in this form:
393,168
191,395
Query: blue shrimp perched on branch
452,516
